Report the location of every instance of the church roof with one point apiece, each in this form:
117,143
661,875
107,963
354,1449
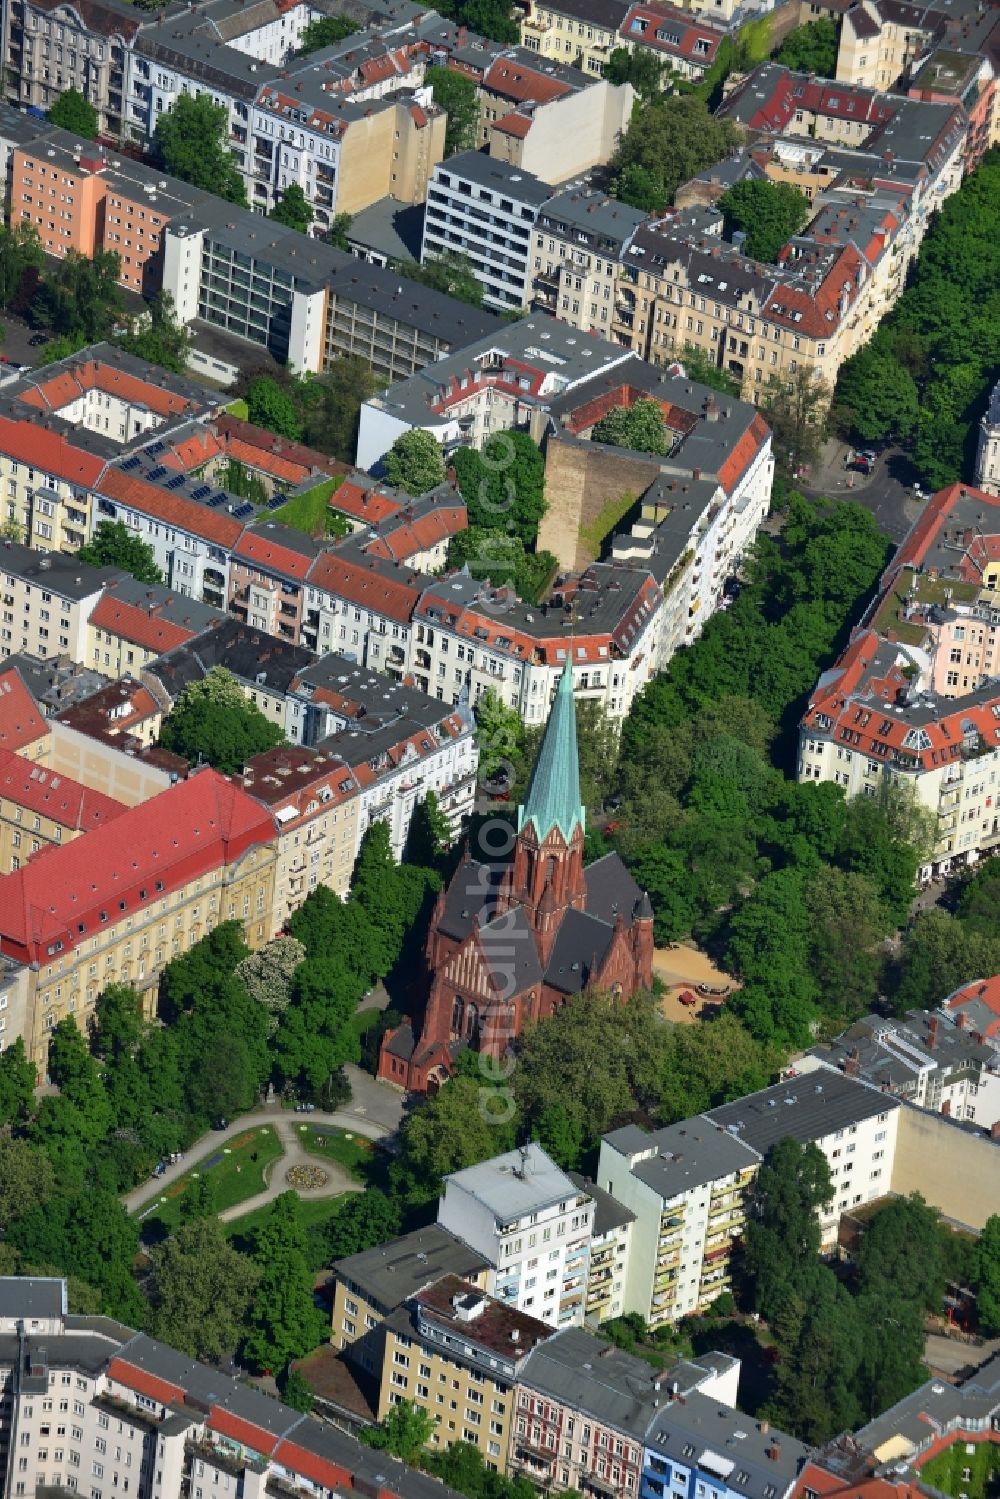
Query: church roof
553,798
578,952
611,889
510,950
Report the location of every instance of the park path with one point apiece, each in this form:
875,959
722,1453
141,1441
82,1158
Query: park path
373,1111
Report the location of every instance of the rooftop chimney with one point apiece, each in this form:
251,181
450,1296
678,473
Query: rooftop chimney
932,1032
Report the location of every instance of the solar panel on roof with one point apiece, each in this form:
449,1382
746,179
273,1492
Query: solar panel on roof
130,464
221,495
202,491
243,511
156,447
276,503
214,501
176,481
157,472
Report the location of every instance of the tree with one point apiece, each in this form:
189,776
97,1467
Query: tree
667,142
450,273
640,426
498,729
324,32
212,720
699,366
769,214
988,1271
939,955
88,1234
200,1291
849,923
81,298
901,1256
26,1179
314,1037
268,973
796,413
709,1064
876,396
297,1392
406,1429
782,1235
293,209
18,1079
20,252
503,485
456,94
819,1335
117,1026
448,1131
199,1199
158,337
72,111
337,234
811,48
190,139
362,1220
268,405
114,545
489,18
414,462
284,1322
430,833
640,68
331,406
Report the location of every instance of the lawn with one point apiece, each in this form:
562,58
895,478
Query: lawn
354,1152
311,1212
971,1468
238,409
235,1170
309,512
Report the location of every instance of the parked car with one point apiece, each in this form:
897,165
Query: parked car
687,998
711,991
37,339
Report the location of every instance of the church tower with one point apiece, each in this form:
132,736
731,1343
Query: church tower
546,877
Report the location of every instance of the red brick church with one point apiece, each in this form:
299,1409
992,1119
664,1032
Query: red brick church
513,941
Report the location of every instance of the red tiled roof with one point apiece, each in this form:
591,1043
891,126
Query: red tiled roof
193,451
31,443
191,828
144,1383
62,800
689,33
318,1469
172,508
142,627
364,502
256,546
21,720
244,1432
410,537
743,454
69,385
514,81
514,124
818,311
275,454
987,992
367,587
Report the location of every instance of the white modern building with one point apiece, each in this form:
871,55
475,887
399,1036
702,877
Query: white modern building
485,209
532,1225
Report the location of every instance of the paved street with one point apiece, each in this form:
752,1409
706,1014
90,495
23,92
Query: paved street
887,492
951,1356
374,1111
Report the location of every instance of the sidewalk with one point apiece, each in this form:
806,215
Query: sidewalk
830,474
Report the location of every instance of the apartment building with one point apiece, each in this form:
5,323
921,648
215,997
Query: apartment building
141,1414
263,665
914,698
49,47
699,1444
81,198
988,450
577,243
303,300
47,600
581,32
610,1242
584,1407
116,906
485,209
854,1125
39,808
134,622
931,1059
314,799
547,118
123,715
685,45
686,1185
456,1353
532,1225
371,1285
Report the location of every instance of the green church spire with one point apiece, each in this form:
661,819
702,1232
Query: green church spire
553,797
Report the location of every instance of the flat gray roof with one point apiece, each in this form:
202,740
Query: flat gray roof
499,176
685,1155
593,212
32,1296
808,1107
390,228
749,1458
515,1183
392,1272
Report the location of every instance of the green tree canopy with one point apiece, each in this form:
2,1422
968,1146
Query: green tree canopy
212,720
20,252
18,1079
200,1291
451,273
284,1321
988,1269
158,337
114,545
640,68
877,396
414,462
293,209
271,406
503,484
666,143
782,1235
640,426
450,1130
72,111
324,32
81,299
456,94
191,141
407,1428
768,213
811,48
498,730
